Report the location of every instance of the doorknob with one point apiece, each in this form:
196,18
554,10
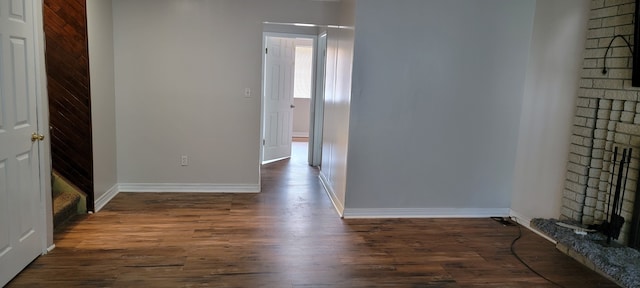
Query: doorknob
293,106
36,137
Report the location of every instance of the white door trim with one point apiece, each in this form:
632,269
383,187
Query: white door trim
46,202
316,122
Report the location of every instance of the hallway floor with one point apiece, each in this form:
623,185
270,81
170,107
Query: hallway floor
288,236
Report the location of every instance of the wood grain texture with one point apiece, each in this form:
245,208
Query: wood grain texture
288,236
67,61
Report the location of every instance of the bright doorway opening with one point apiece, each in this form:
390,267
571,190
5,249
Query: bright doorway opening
289,76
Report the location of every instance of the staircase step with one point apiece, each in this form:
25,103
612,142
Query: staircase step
68,200
65,207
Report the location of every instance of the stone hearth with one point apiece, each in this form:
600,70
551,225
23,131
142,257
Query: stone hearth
619,263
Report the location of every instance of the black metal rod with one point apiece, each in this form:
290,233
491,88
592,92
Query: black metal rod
624,185
613,174
616,197
634,231
614,216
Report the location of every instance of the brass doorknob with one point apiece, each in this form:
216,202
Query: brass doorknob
36,137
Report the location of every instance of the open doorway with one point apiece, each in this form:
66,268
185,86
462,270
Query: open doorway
69,104
289,91
302,88
302,91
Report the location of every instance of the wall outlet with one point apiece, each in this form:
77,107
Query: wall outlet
247,92
184,160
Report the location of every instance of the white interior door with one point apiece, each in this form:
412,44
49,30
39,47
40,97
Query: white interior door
278,102
20,237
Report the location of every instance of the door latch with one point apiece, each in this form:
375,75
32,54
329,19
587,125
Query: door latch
36,137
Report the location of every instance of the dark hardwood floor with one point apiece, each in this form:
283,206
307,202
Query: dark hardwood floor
288,236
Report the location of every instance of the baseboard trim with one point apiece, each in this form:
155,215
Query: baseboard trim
369,213
189,188
300,134
526,222
106,197
274,160
337,204
50,248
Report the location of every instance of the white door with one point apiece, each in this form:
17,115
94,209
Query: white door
278,102
20,236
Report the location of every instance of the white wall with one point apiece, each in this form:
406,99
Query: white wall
548,107
100,38
435,108
301,117
301,112
181,70
337,100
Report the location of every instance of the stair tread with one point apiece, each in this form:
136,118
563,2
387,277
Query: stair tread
68,200
65,206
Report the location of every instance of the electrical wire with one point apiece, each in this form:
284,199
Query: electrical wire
513,252
604,65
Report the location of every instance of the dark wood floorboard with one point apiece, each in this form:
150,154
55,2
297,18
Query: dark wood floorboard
288,236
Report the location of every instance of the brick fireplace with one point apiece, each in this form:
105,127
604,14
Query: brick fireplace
607,116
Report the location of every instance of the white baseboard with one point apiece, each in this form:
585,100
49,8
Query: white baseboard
526,222
50,248
275,160
520,219
337,204
355,213
106,197
300,134
189,187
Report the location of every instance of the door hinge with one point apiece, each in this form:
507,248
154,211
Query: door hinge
264,142
266,50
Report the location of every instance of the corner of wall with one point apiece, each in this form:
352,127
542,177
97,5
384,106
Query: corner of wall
526,223
102,85
335,200
549,95
104,199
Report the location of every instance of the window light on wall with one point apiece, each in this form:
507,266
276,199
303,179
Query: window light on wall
303,69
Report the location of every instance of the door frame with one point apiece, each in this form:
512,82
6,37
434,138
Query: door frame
42,111
42,107
316,123
312,120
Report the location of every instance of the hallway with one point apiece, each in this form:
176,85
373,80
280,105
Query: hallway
287,236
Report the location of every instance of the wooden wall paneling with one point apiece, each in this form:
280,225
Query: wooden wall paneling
67,61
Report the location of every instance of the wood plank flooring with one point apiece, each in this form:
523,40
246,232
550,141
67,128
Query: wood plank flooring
288,236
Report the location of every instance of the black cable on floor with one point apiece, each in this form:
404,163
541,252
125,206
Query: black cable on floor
513,252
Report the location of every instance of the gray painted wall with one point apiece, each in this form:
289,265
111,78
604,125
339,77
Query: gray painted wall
181,70
103,110
335,138
433,120
435,108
